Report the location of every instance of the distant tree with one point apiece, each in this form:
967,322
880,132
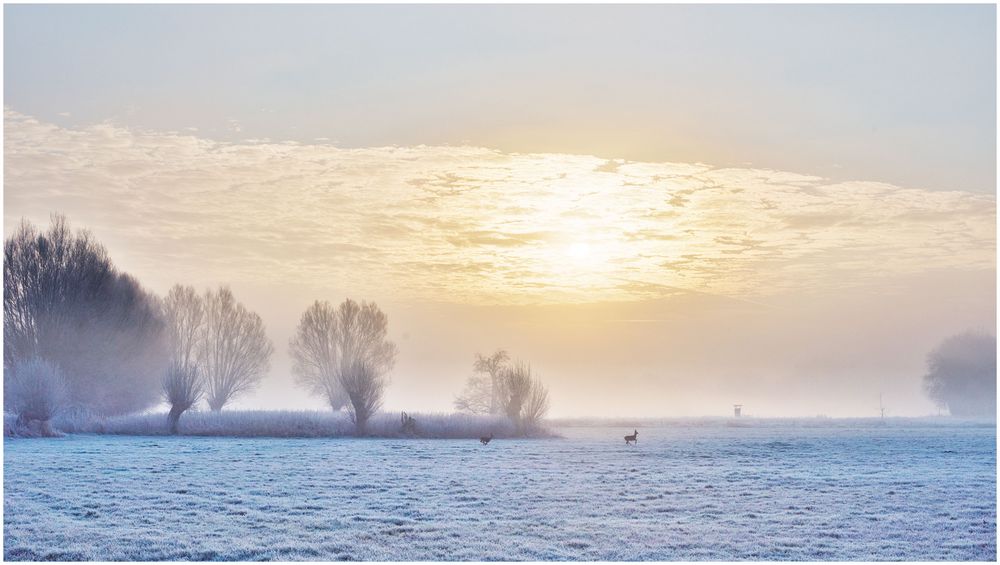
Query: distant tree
536,406
316,356
524,398
34,390
477,397
234,351
365,387
483,390
66,303
493,366
182,389
344,354
962,375
515,386
184,310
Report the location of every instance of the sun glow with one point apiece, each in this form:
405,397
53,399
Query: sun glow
579,251
475,225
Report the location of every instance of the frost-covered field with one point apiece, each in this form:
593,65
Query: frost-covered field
688,491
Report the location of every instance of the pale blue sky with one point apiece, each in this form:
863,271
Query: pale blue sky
902,94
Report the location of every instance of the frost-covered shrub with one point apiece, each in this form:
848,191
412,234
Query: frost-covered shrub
236,423
444,426
78,420
306,424
34,390
9,424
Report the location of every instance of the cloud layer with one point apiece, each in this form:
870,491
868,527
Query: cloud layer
474,225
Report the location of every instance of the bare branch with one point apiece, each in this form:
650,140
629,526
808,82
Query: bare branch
234,353
477,398
185,315
523,397
493,365
343,354
65,302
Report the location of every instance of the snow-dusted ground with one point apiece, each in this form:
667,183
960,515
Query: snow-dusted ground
688,491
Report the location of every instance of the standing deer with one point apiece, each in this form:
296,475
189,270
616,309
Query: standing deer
484,440
633,439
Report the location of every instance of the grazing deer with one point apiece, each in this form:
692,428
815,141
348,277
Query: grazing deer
633,439
484,440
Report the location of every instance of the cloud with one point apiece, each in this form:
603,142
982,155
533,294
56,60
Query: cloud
476,225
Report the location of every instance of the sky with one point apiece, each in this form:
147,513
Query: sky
665,209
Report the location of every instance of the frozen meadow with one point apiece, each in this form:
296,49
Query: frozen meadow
690,490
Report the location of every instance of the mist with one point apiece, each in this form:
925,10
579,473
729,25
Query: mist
499,283
633,289
689,355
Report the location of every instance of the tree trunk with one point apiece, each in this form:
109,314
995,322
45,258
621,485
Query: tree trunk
360,424
46,428
174,418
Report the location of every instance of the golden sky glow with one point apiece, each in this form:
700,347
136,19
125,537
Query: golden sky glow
697,286
474,225
665,209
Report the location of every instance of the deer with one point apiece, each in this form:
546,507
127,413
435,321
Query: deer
633,439
485,440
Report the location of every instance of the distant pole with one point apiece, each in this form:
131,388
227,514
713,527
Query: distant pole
881,408
736,410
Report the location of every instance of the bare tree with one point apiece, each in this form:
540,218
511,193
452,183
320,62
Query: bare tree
515,386
182,389
315,354
65,302
536,406
344,354
364,387
524,398
477,397
483,390
962,375
234,352
34,390
366,356
185,316
493,366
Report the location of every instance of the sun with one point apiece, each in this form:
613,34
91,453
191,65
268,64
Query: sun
579,251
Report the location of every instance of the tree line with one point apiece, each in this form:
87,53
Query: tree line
81,335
